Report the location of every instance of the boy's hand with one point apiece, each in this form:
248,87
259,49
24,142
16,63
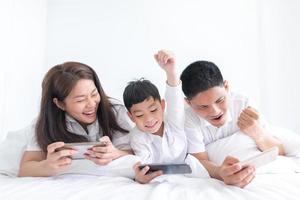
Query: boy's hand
232,173
166,61
141,176
248,122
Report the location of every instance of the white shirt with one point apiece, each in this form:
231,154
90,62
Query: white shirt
200,132
172,146
120,140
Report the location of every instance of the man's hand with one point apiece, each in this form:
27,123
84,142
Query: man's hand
232,173
248,122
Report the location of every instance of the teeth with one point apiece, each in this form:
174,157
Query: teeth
89,113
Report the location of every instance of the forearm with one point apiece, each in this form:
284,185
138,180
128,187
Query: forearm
172,79
34,169
212,169
269,141
121,153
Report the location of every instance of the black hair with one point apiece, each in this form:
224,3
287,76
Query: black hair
138,91
200,76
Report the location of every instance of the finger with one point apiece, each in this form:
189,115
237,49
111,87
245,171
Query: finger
98,161
63,153
52,147
232,169
252,113
244,116
100,155
100,149
229,160
136,167
64,161
156,57
240,176
246,181
155,174
241,125
105,139
246,122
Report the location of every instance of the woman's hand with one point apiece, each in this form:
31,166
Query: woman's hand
57,160
102,155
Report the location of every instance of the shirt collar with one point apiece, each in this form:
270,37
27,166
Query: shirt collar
74,127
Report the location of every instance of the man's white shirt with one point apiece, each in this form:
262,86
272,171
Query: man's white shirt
200,132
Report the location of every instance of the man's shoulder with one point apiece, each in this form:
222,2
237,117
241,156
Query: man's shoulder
237,97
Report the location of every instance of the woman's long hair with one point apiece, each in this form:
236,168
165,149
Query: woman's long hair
58,83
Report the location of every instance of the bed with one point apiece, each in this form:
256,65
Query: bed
277,180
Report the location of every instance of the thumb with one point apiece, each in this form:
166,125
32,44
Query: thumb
230,160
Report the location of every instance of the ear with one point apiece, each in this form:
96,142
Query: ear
163,104
187,101
226,85
59,104
130,116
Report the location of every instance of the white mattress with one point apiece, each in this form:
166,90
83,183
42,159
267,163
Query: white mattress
264,186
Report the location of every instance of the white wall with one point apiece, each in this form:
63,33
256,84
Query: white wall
254,42
119,38
280,64
23,33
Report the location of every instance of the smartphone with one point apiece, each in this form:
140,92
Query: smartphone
81,148
182,168
261,159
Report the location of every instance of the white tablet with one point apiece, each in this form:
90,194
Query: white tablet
261,159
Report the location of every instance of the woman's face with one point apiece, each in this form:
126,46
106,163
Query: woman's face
82,102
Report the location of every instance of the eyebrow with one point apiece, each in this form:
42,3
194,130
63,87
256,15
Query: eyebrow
79,96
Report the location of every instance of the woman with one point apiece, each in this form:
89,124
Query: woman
74,108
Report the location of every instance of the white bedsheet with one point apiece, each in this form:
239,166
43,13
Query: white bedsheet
73,187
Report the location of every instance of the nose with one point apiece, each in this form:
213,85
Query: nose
148,118
91,102
215,110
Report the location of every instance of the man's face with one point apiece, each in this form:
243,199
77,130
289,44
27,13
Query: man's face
211,105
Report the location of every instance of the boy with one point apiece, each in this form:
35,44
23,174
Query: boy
214,113
155,139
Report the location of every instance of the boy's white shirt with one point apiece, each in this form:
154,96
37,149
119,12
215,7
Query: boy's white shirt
200,132
172,146
120,140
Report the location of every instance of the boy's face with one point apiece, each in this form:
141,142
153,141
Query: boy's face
212,104
148,115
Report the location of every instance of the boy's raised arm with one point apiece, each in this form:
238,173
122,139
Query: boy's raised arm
166,61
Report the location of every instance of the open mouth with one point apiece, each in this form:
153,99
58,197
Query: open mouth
219,117
90,113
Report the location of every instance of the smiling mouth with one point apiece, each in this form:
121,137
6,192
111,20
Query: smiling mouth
90,113
152,126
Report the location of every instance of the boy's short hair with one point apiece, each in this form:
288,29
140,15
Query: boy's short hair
199,77
138,91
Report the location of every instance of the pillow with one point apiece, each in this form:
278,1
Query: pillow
237,145
11,151
14,145
242,147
